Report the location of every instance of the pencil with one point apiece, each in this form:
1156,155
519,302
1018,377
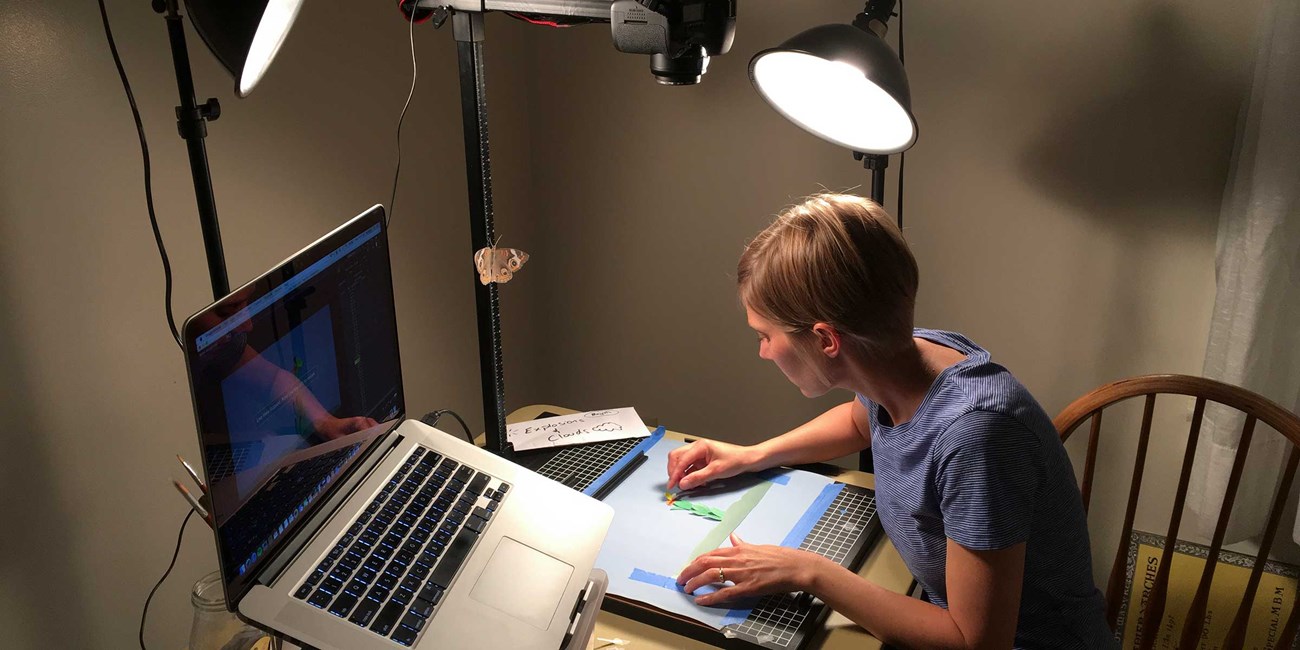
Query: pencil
193,475
194,503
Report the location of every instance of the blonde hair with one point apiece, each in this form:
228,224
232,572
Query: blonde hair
837,259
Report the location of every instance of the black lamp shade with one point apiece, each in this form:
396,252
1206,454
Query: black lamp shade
243,34
841,83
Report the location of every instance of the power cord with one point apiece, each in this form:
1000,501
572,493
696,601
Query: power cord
902,157
432,418
167,273
148,182
179,536
392,202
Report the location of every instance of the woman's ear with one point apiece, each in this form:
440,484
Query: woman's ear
828,339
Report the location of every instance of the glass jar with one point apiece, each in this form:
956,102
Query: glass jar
215,628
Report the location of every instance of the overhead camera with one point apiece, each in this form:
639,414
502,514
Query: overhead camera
679,35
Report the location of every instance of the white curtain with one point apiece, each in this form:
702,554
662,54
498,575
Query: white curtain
1255,330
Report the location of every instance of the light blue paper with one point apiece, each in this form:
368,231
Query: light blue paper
651,538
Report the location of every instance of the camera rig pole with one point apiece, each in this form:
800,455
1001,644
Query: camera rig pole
636,28
468,31
597,9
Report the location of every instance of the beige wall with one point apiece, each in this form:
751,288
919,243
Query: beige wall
95,398
1061,201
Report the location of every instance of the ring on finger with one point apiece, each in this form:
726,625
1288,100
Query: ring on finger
722,577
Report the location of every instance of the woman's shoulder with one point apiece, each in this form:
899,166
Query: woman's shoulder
984,384
955,340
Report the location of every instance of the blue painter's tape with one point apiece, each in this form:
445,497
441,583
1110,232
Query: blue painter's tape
627,459
811,515
735,617
732,617
641,575
775,475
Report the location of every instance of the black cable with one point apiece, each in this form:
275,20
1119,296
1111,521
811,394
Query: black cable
392,202
902,157
432,420
148,183
179,536
901,60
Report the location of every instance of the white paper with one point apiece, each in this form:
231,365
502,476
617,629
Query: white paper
576,429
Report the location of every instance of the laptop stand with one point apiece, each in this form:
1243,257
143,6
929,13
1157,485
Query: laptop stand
583,621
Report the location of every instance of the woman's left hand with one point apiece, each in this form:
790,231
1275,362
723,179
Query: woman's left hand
752,570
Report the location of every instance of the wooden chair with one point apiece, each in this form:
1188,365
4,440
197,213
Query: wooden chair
1256,408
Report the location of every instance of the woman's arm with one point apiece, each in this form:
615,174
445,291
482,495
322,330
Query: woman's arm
841,431
286,386
983,602
983,592
838,432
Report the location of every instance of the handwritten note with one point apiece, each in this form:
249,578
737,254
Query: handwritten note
577,429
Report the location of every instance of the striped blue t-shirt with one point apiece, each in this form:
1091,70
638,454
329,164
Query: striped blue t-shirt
981,463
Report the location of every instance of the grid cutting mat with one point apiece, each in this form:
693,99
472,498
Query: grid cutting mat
840,535
578,467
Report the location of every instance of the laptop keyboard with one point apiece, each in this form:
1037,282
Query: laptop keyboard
224,460
388,572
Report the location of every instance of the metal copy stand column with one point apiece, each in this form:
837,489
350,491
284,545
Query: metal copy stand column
467,28
191,121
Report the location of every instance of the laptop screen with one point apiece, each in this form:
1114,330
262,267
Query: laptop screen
292,376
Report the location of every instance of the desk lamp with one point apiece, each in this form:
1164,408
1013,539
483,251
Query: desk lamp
244,35
844,84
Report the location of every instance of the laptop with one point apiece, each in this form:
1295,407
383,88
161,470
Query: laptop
351,526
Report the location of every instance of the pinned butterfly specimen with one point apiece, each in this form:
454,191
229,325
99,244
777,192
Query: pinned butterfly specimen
498,264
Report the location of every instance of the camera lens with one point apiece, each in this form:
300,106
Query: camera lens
683,70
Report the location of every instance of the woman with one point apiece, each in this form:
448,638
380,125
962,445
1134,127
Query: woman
973,486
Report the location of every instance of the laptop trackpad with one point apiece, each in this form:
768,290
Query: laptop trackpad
523,582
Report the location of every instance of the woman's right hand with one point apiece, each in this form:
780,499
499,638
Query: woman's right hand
705,460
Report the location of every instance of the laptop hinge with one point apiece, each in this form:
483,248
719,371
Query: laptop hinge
326,509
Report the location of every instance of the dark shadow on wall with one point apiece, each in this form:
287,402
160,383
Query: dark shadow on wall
1142,147
36,553
1155,129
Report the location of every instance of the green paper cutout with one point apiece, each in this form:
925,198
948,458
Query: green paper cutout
698,509
731,519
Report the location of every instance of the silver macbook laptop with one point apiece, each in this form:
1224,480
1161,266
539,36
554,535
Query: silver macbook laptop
352,527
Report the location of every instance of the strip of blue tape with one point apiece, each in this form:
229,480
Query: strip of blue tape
641,575
811,515
736,616
730,618
624,462
775,475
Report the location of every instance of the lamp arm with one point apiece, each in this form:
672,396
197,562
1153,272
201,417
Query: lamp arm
191,123
875,17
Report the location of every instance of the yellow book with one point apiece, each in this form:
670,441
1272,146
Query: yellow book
1273,601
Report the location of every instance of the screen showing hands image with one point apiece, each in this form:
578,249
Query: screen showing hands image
292,375
292,364
289,387
284,391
